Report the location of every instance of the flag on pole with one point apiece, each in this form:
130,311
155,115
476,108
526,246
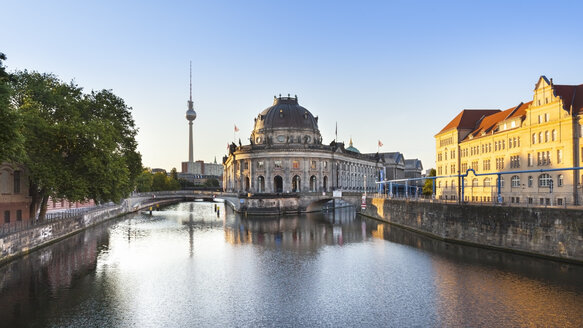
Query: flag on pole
380,144
236,128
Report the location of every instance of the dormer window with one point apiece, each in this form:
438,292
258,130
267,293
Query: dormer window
513,124
281,113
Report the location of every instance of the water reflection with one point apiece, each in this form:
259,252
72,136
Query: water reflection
191,266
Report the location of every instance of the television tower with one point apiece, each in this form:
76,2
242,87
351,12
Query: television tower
190,116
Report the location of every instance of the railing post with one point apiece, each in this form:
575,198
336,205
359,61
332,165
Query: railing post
498,187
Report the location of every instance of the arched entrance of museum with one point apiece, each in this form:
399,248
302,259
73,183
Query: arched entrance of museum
296,182
260,184
277,184
313,183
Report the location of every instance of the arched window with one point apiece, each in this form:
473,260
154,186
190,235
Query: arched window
313,185
515,181
260,184
534,138
278,184
474,182
540,137
545,180
325,183
554,135
487,182
561,180
546,136
530,179
296,182
247,185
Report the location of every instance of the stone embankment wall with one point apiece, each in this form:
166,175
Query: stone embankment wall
548,232
40,235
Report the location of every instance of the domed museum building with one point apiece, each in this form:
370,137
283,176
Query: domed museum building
286,155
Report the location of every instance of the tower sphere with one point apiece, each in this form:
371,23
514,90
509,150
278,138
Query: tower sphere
190,115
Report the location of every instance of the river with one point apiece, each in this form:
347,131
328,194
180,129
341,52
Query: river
186,266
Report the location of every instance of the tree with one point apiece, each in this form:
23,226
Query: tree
144,181
211,182
428,186
77,146
11,142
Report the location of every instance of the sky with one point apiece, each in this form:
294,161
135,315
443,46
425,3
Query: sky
394,71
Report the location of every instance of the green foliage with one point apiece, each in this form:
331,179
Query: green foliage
156,182
144,181
77,146
11,142
428,186
211,182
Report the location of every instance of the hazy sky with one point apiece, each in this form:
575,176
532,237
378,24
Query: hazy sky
397,71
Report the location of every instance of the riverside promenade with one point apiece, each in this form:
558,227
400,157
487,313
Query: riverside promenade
18,240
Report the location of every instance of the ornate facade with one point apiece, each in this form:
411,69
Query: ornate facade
541,134
286,155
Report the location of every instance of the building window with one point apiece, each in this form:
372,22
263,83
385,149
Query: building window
295,164
246,165
530,181
452,168
547,114
515,181
540,137
539,117
545,180
559,156
277,164
554,135
501,182
546,136
6,216
474,182
500,163
515,161
18,215
260,164
487,182
486,165
561,180
325,164
313,164
530,160
475,165
17,182
534,138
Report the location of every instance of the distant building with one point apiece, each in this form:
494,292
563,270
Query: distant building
286,154
194,171
542,133
14,194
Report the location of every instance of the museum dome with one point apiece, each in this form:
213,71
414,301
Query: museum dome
286,119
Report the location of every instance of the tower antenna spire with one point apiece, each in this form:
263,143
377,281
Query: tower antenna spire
191,81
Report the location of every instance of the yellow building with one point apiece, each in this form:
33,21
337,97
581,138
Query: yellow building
541,135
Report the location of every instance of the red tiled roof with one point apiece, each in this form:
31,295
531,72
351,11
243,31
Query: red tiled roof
468,118
571,95
489,122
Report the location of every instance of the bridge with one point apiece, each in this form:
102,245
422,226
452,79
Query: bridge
264,203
